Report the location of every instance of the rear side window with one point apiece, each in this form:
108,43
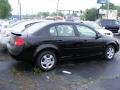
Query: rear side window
62,30
65,30
53,31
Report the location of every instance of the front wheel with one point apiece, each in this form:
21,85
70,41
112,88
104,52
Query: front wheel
109,52
46,60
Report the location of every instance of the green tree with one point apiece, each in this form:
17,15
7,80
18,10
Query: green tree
91,14
53,14
118,9
5,9
45,14
75,14
60,14
82,17
39,14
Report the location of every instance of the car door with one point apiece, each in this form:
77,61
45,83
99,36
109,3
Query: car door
90,44
64,36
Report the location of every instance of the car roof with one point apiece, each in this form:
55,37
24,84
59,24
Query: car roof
61,22
47,23
89,22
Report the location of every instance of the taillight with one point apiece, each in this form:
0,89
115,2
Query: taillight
19,41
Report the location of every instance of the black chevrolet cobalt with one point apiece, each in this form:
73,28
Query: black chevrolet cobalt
47,42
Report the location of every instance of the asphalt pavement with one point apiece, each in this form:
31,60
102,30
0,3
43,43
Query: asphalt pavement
83,74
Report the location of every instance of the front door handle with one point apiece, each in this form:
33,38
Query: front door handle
60,40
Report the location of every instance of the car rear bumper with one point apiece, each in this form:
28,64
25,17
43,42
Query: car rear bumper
22,57
20,53
14,50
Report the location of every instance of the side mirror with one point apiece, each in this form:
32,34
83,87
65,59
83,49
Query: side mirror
98,35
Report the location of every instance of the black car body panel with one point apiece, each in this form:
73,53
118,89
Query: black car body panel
64,46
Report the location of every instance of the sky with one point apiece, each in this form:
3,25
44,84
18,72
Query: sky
35,6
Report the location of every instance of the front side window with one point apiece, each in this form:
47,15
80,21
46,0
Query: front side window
93,25
65,30
85,31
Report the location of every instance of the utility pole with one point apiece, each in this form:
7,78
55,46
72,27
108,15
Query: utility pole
57,10
19,5
108,3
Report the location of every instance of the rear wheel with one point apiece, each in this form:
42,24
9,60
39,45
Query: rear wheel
46,60
109,52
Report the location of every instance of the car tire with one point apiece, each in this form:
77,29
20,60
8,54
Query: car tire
46,60
109,52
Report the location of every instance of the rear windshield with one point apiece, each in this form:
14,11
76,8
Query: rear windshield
21,26
14,24
34,28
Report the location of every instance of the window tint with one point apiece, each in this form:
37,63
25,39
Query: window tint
53,31
65,30
85,31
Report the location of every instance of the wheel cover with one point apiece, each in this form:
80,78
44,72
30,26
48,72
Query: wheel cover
110,52
47,61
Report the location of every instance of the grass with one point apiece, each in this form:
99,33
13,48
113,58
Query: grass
36,71
15,72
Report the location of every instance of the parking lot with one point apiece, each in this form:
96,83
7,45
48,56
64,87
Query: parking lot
83,74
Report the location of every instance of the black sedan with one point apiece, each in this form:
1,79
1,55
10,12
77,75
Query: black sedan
47,42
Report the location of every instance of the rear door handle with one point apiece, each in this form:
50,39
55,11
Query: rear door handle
85,40
59,40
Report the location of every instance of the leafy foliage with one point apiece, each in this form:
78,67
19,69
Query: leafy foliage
5,9
118,9
91,14
44,14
